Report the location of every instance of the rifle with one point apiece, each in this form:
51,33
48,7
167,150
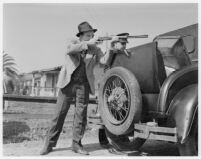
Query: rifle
104,38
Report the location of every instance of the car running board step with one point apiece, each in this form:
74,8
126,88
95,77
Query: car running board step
154,132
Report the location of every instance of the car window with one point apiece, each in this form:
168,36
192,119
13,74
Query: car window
189,43
166,43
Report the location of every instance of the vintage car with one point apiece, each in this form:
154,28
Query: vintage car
151,94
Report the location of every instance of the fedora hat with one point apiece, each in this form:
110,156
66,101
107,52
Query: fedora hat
84,27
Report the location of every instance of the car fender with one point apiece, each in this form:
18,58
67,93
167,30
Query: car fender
175,83
182,111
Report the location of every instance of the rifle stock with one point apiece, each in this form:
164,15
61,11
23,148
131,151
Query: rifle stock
103,38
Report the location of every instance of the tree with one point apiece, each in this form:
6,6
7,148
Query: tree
10,73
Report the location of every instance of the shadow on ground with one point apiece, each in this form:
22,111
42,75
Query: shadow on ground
158,148
14,132
148,149
88,147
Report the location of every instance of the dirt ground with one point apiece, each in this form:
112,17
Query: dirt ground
90,142
25,126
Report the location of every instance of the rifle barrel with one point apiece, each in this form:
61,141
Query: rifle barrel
103,38
138,36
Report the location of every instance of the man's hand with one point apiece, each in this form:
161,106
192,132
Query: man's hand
118,46
115,45
114,39
94,41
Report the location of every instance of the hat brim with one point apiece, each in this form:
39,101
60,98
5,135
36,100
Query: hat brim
78,34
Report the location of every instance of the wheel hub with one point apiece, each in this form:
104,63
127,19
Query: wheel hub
117,98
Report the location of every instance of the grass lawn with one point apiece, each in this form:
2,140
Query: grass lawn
24,121
25,126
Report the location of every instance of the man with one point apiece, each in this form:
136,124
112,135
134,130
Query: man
119,43
76,80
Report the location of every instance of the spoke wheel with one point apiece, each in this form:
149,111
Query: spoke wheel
117,99
120,101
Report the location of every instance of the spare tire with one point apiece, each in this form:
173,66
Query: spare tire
120,101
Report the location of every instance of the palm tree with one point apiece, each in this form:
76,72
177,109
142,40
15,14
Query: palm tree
10,73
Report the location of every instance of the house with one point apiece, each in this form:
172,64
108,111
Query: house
40,82
44,82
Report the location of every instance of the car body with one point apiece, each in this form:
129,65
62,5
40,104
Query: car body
159,85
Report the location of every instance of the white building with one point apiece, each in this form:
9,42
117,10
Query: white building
40,82
44,82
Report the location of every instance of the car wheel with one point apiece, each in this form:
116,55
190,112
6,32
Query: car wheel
102,137
123,142
120,101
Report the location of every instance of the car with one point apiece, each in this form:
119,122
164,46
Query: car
151,94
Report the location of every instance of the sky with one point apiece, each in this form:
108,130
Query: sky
36,35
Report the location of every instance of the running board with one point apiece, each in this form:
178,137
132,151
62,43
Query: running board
155,132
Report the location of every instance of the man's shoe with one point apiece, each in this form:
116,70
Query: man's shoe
116,152
46,150
106,146
78,148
